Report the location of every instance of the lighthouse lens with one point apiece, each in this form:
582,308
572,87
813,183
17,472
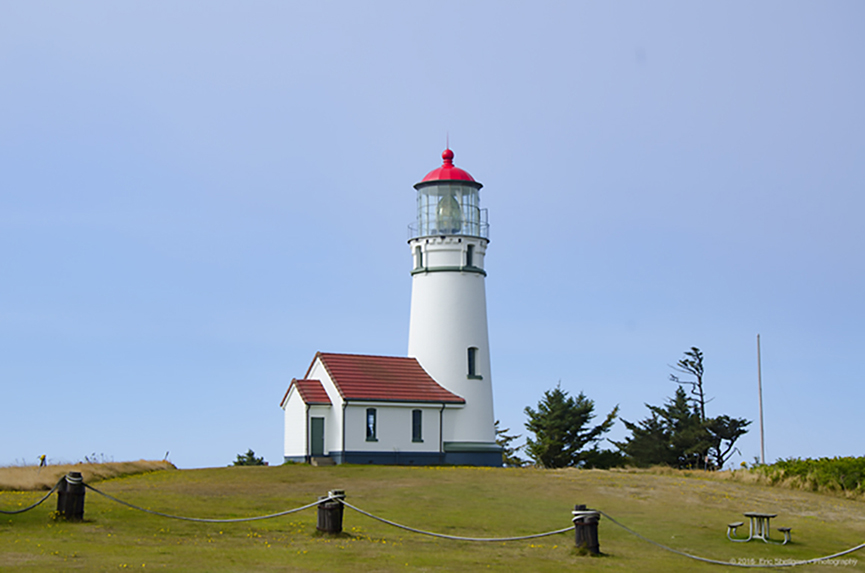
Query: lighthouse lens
449,218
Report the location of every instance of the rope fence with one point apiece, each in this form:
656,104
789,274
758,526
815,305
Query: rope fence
204,520
336,500
453,537
29,507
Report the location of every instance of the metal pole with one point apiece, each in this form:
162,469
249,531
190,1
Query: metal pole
760,392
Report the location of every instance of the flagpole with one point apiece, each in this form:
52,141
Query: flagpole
760,392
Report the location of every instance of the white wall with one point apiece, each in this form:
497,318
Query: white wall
295,424
449,315
450,252
393,427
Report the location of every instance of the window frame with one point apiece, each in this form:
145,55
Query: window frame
418,257
472,357
417,425
371,429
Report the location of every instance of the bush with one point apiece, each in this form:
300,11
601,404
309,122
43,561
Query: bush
249,459
841,474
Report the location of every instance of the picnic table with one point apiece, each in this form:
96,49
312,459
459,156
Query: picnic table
758,528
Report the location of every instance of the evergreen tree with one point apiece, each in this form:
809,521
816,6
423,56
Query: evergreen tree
597,458
560,429
509,454
649,443
672,435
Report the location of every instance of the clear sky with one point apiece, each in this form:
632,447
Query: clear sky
195,197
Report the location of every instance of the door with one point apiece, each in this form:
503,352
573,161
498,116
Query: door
316,436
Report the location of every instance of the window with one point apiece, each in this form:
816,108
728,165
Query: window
473,364
416,426
370,425
418,258
470,255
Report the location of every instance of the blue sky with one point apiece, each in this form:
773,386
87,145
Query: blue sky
196,197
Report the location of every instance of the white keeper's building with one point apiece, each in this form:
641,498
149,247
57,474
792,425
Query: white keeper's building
434,406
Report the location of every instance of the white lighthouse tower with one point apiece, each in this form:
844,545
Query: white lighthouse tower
448,332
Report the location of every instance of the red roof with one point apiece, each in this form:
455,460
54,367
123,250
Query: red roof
383,378
311,391
448,172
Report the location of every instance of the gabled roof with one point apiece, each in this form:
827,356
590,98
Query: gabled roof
383,378
311,392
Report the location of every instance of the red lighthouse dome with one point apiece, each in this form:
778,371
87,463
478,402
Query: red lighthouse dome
448,171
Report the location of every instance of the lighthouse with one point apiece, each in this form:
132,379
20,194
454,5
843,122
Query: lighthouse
448,332
434,406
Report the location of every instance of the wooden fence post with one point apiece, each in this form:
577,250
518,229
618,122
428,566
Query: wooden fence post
330,512
586,529
70,497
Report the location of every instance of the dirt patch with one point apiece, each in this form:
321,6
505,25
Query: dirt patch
16,559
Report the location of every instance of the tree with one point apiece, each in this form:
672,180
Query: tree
692,365
249,459
724,432
599,459
509,454
560,429
672,435
680,434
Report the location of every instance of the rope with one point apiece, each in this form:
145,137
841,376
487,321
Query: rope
442,535
454,537
29,507
778,563
235,520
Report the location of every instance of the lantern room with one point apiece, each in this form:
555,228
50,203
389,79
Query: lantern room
448,203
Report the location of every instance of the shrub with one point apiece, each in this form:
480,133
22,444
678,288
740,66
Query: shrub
841,474
249,459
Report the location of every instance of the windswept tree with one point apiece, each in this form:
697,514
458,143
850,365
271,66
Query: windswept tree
679,434
561,429
724,432
692,365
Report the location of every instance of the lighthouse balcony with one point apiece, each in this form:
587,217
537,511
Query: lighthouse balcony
476,226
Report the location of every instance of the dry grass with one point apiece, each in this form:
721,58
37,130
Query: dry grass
34,478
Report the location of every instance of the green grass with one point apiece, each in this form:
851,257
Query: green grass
686,511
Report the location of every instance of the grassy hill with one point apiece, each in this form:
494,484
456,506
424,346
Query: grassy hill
686,511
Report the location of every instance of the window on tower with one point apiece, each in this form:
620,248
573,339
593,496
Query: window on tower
370,425
473,364
470,255
418,258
